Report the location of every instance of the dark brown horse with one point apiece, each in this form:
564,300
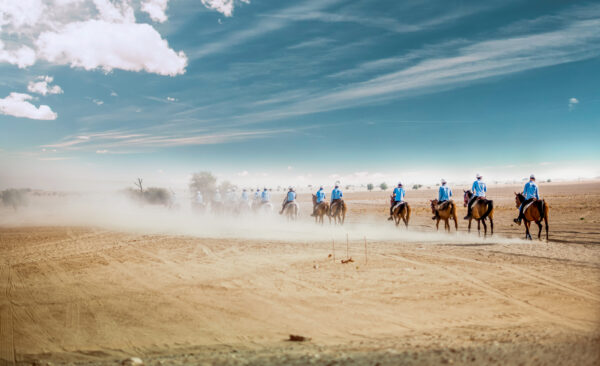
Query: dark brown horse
320,210
446,212
482,209
535,211
400,212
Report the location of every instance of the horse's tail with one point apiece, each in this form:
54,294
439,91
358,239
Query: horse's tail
407,212
541,206
490,205
546,219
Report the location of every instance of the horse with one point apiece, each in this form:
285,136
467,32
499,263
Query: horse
291,210
320,210
447,212
338,212
481,210
400,212
262,207
536,211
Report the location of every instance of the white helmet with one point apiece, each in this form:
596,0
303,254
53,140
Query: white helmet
532,176
443,181
478,176
321,187
399,183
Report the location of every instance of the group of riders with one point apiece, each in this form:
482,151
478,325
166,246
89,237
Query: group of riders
478,191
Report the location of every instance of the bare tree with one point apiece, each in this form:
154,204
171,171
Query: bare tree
138,184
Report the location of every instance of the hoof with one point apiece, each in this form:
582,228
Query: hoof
467,217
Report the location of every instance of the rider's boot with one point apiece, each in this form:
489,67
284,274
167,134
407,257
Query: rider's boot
468,213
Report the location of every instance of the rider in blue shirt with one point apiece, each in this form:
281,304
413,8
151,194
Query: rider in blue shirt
244,195
289,197
320,198
336,197
530,191
265,197
398,194
479,190
444,194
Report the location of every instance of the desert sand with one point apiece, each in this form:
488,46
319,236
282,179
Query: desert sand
96,294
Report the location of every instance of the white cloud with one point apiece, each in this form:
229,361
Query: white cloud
171,99
97,44
573,102
22,57
114,94
17,105
43,86
16,15
243,173
101,151
97,101
155,9
224,7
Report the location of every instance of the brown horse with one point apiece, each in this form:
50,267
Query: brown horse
400,212
482,209
445,211
320,210
536,212
338,212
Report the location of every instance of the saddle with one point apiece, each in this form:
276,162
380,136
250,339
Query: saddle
398,205
443,205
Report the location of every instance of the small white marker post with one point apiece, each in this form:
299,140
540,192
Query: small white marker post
347,246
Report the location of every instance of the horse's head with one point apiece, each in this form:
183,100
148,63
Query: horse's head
519,198
314,199
433,203
467,197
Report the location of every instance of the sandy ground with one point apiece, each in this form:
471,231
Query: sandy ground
74,294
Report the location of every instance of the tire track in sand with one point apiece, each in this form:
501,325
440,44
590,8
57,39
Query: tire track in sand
7,334
481,285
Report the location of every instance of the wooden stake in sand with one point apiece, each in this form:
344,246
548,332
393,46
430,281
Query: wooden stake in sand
333,249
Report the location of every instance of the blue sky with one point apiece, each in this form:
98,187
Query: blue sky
303,91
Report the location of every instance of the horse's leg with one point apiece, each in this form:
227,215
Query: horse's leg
479,227
491,226
527,234
539,224
447,225
437,224
470,225
546,225
484,228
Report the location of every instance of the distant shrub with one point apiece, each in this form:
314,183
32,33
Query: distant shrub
151,195
370,186
417,186
14,198
383,186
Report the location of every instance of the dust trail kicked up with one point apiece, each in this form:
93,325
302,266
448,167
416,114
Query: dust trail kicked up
117,213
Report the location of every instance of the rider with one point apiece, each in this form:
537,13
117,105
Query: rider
336,196
320,198
531,193
265,197
479,189
398,193
199,198
217,196
444,194
244,195
290,197
257,195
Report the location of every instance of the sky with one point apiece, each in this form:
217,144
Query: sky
95,93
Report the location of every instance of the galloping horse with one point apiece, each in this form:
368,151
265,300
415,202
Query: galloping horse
535,211
291,210
338,212
400,212
446,211
482,209
320,209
